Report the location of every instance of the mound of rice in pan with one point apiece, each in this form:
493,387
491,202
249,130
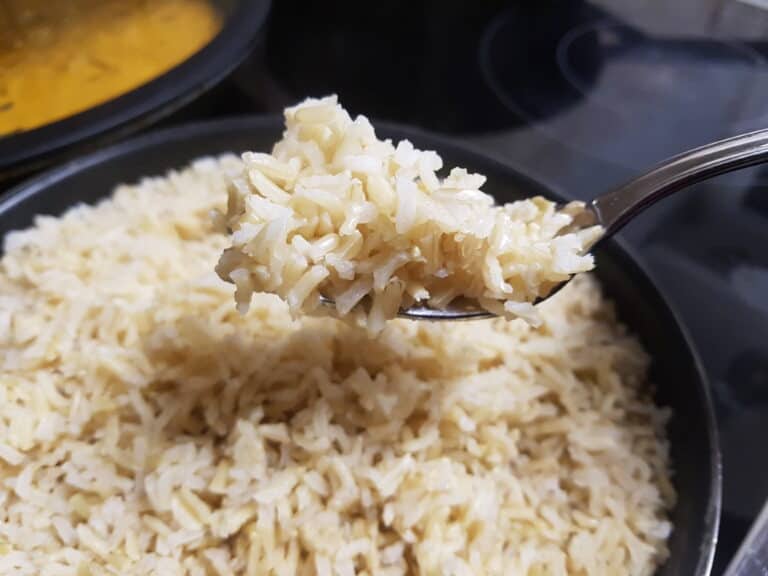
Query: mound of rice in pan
146,427
335,212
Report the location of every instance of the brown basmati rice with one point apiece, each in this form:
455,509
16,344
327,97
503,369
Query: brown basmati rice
148,428
336,212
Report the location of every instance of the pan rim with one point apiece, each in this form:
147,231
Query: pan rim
39,183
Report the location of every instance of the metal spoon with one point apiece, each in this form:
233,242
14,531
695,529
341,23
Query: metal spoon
616,208
751,559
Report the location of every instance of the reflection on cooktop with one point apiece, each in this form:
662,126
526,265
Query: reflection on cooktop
517,55
634,99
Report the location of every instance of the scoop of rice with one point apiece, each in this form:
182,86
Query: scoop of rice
148,428
338,213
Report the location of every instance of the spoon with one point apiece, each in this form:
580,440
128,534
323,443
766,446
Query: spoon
751,559
616,208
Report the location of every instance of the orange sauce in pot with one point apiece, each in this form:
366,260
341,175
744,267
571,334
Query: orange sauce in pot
61,57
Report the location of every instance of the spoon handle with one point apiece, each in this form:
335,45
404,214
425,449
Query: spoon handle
752,557
616,208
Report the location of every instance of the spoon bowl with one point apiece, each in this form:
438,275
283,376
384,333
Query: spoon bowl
614,209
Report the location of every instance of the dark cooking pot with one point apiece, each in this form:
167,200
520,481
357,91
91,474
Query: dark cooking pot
25,151
676,371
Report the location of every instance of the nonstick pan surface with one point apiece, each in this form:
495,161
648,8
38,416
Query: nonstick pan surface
676,371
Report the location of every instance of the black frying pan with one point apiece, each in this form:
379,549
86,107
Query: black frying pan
681,383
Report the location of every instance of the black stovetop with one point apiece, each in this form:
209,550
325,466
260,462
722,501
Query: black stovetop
581,97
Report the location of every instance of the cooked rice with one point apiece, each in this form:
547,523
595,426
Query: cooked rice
148,428
338,213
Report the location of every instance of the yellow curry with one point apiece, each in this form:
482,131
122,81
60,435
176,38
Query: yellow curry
60,57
